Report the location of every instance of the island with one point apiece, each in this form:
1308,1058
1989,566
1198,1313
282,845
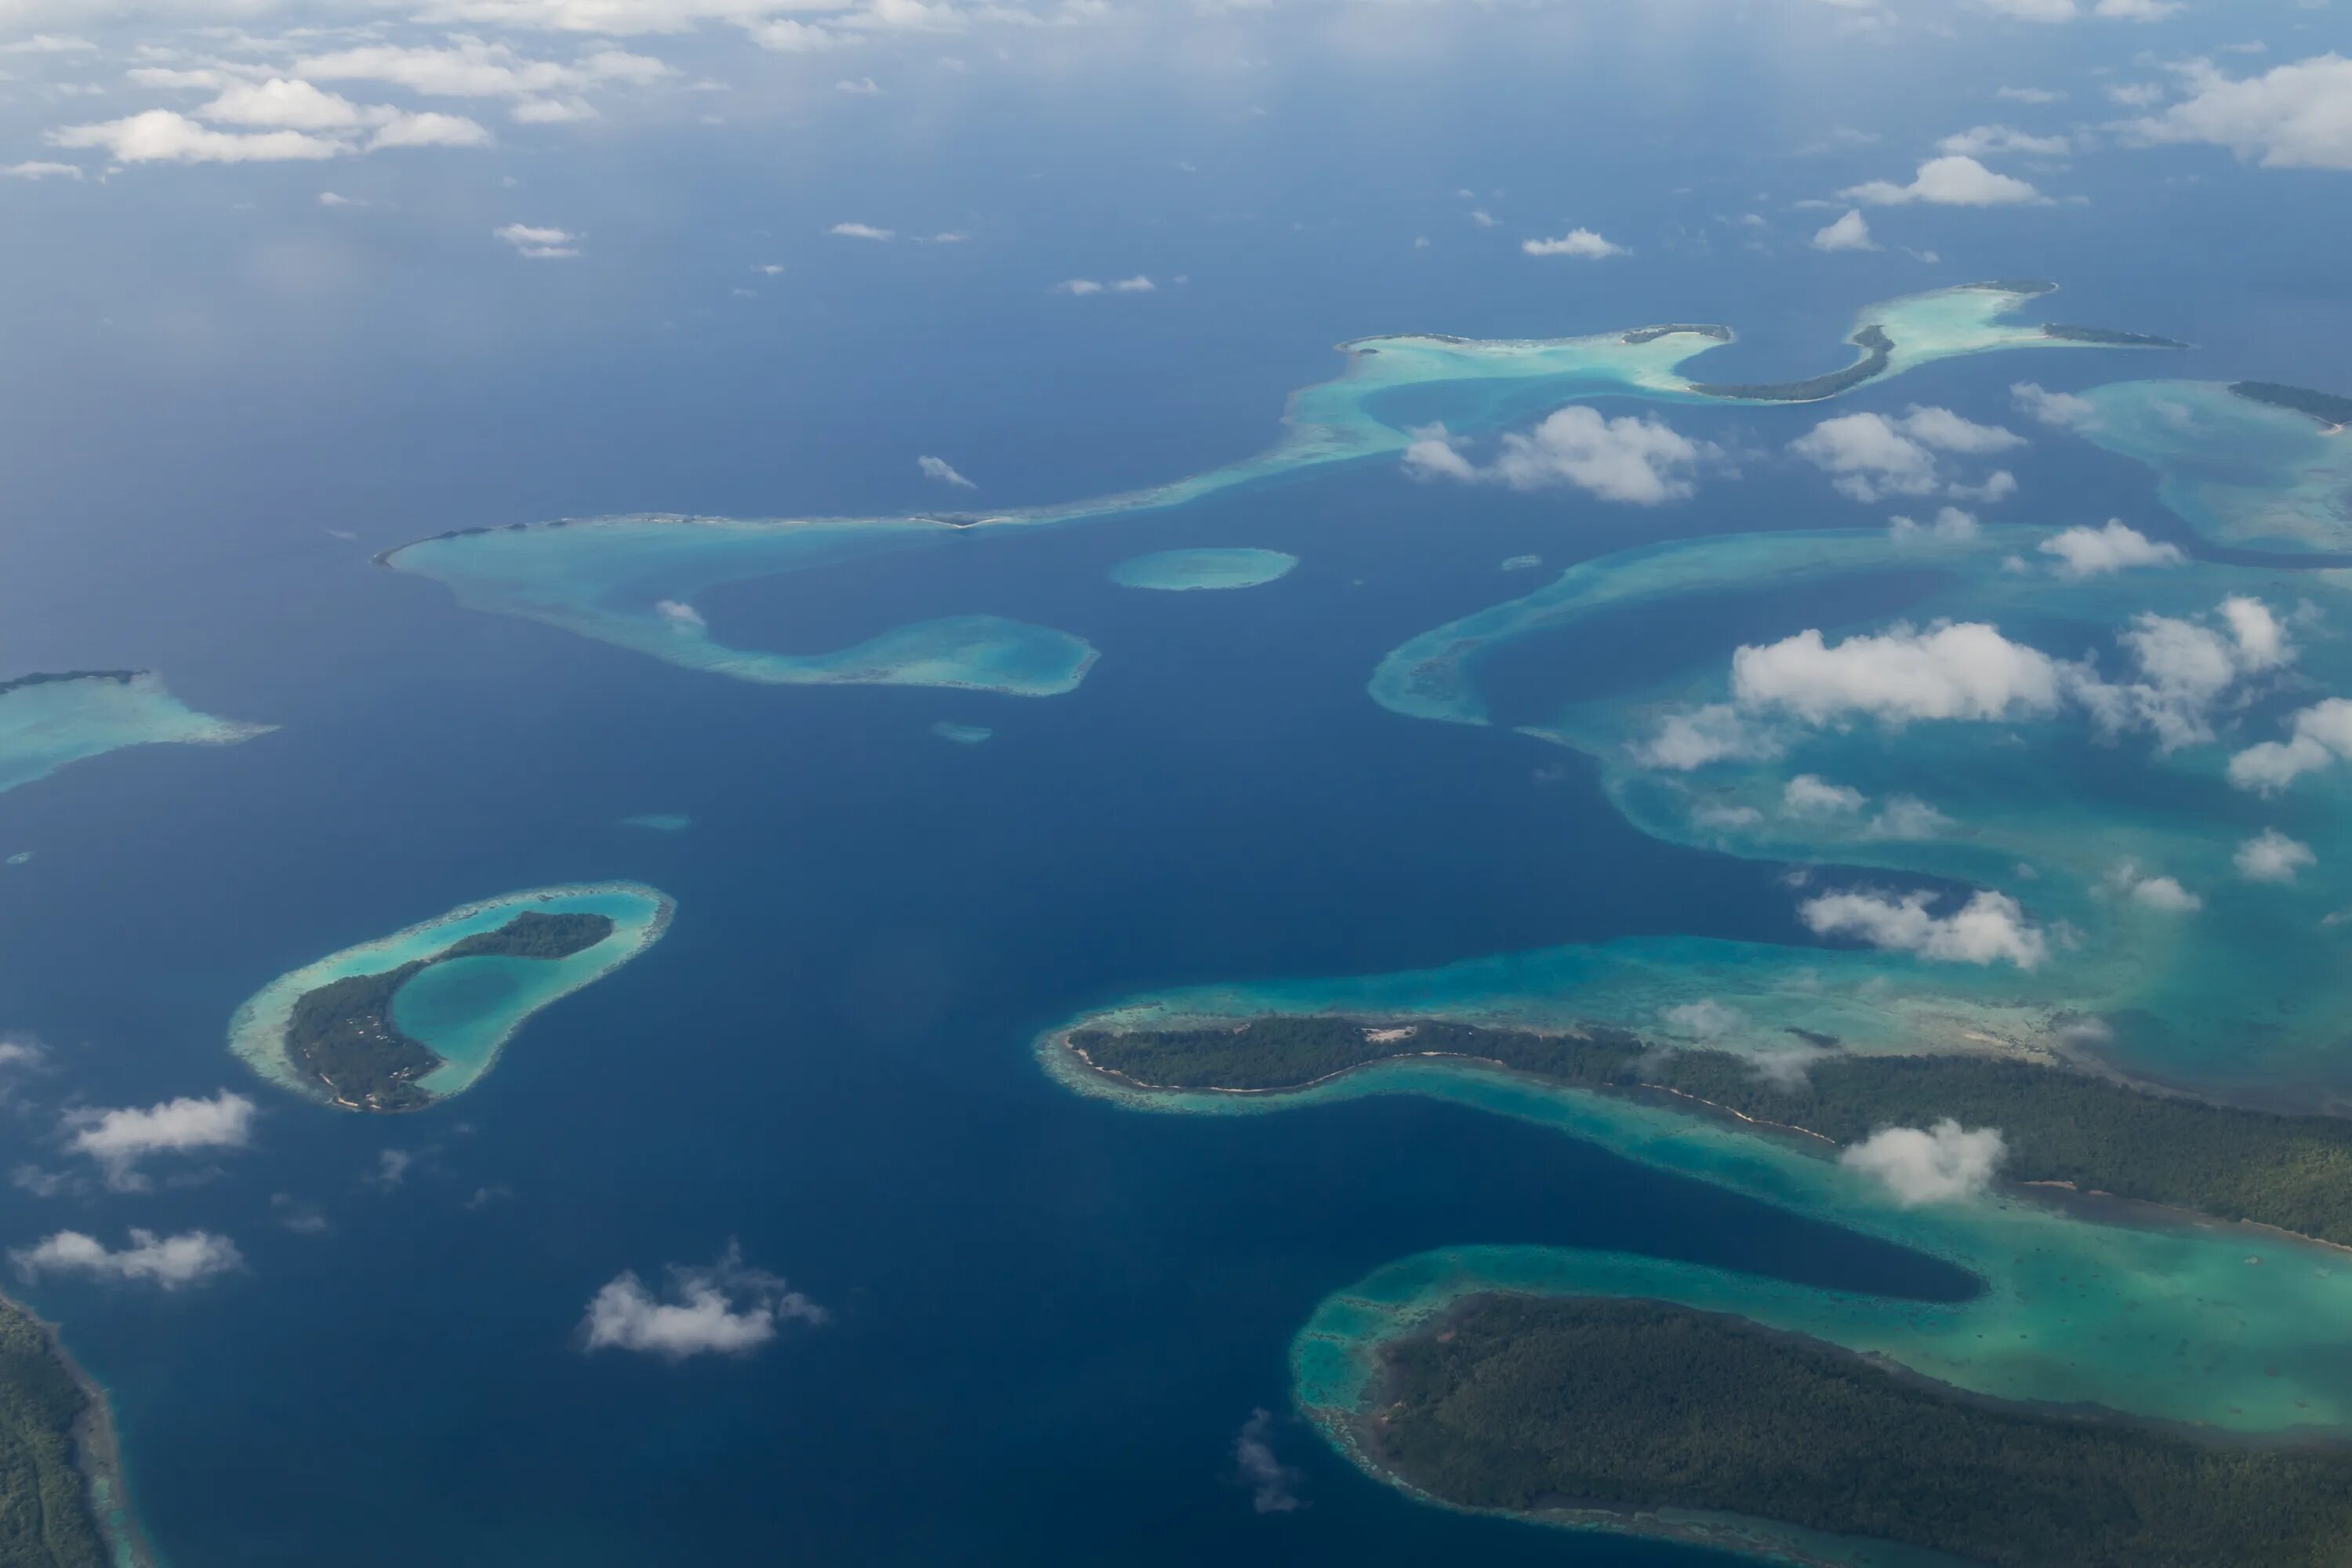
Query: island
52,718
2324,407
1878,352
2105,337
403,1022
1640,335
61,1497
1181,570
1606,1412
2064,1126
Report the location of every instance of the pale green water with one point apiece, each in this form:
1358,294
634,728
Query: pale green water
466,1010
1177,571
961,734
45,727
631,581
2239,472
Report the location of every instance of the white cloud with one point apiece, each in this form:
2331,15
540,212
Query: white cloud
1139,284
726,1309
48,44
940,468
2163,893
2136,94
2032,10
2319,735
1951,523
1273,1486
2186,669
2084,552
118,1139
1988,929
162,136
1641,459
1952,671
1580,242
1809,794
470,68
1851,232
1991,140
2063,409
1081,286
1906,816
429,130
552,111
679,613
863,86
1873,456
2138,10
40,171
2295,116
2271,856
1939,1165
1705,1019
540,244
1954,180
169,1262
862,231
1715,733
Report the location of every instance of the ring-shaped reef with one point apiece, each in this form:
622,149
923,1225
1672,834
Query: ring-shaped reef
630,582
410,1019
49,721
1184,571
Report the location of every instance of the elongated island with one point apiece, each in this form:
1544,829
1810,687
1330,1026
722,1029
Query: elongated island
62,1500
407,1021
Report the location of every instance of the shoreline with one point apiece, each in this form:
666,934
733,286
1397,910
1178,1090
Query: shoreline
98,1456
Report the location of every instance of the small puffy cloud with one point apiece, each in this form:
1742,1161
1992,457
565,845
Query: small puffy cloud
1081,286
1581,242
2295,116
862,231
538,243
552,111
2319,735
2063,409
1715,733
940,468
428,130
1990,140
169,1263
1705,1019
2271,856
1951,523
1851,232
470,68
37,169
1641,459
1906,816
162,136
1990,928
2084,552
679,613
1809,794
726,1309
1964,669
1273,1486
1139,284
281,103
2164,893
2185,669
118,1139
1872,455
1954,180
1939,1165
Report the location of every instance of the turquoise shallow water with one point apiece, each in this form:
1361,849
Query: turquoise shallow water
46,726
1177,571
2239,472
468,1010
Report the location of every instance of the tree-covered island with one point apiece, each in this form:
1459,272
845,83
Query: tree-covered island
1603,1407
2060,1125
1877,352
46,1518
2324,407
343,1035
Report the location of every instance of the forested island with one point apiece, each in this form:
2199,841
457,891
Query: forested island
1878,351
1604,1406
342,1033
46,1518
1650,334
2060,1125
2109,338
51,677
2324,406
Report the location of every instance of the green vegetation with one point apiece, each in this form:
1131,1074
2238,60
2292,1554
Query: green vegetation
2060,1125
2324,406
1519,1404
1877,348
51,677
45,1515
343,1033
1704,328
2108,337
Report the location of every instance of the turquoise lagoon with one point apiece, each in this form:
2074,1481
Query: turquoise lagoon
1181,570
2239,472
467,1009
631,581
48,723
